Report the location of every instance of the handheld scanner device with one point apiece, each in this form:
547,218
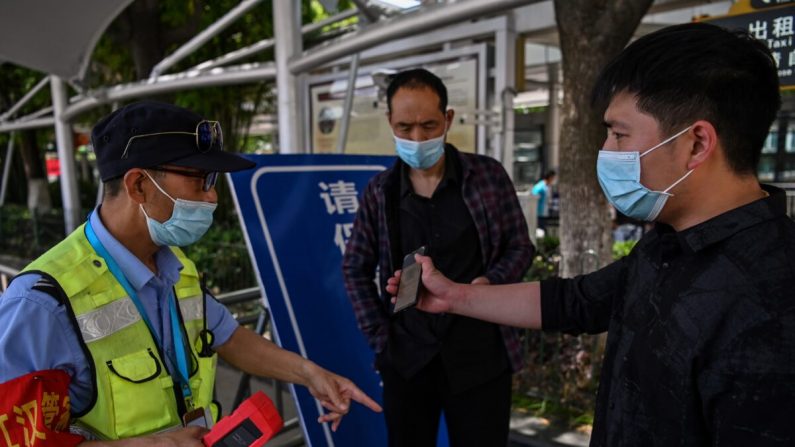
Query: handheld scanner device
252,424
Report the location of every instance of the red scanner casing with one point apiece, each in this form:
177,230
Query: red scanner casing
257,410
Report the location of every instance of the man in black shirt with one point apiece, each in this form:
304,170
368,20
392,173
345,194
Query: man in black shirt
701,315
463,209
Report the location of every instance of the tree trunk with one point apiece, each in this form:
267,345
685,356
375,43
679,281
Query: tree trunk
142,19
141,29
592,32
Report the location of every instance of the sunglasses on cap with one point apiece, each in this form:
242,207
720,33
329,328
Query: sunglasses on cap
209,178
208,136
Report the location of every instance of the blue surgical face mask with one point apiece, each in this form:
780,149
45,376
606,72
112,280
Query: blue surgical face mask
420,154
187,224
619,176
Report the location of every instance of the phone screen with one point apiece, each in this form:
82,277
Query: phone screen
410,281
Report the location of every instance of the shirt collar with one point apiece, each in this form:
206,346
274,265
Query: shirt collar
452,172
138,274
732,222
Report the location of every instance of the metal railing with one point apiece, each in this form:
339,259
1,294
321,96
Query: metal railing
248,309
789,188
791,203
6,273
260,319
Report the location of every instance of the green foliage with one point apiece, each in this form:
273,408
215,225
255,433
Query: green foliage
221,255
547,257
561,416
562,374
561,378
138,38
142,35
546,260
27,235
16,81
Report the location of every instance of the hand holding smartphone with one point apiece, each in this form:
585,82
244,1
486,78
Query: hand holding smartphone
410,281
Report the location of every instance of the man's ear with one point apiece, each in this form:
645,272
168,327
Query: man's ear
448,116
133,185
704,143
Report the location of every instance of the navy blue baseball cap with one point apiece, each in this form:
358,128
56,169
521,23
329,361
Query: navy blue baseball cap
148,133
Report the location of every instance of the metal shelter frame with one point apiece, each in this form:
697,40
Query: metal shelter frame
502,21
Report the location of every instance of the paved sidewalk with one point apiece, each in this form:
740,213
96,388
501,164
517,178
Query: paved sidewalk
536,432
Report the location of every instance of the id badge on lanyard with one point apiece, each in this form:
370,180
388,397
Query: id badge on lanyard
198,417
179,346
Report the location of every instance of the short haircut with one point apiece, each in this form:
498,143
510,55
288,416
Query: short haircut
549,174
112,187
417,78
694,71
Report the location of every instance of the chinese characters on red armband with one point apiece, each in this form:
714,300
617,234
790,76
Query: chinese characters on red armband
34,411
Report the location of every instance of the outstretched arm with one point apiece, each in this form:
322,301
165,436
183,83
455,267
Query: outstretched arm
511,304
258,356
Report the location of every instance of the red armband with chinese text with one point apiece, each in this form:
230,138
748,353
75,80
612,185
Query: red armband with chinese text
34,411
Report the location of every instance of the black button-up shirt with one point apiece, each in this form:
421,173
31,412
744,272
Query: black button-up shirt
472,351
701,332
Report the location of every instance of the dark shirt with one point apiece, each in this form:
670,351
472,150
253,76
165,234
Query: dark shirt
701,332
373,252
472,350
442,223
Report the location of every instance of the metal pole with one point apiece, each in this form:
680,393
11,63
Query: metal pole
164,84
553,119
504,82
66,155
236,55
342,138
7,168
425,19
41,112
288,44
25,98
266,44
353,72
173,83
367,13
199,40
31,124
312,27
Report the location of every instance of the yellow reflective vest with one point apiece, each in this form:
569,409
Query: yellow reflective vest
133,393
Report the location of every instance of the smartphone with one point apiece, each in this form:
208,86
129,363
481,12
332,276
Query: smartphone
410,281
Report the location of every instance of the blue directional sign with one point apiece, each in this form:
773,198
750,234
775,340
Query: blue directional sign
298,213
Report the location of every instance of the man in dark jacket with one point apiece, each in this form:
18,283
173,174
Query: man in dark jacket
463,209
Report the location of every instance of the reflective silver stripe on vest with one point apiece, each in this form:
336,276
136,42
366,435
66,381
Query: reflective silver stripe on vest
119,314
191,308
108,319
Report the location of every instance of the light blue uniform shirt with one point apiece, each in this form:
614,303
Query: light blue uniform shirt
37,334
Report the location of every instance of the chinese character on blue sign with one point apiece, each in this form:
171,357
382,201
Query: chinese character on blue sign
298,212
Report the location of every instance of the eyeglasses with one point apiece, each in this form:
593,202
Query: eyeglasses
208,136
209,178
